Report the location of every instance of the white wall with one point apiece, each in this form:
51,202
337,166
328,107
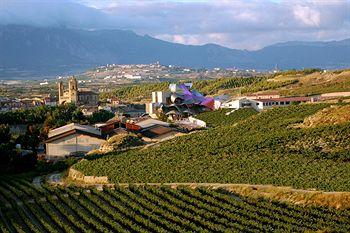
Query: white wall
72,143
197,122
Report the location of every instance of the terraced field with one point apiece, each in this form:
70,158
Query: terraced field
28,208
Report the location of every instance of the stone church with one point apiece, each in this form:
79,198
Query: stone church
73,95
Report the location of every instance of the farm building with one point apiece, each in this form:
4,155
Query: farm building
72,139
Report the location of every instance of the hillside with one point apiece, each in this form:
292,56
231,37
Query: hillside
262,149
143,92
289,83
28,208
329,116
34,51
314,83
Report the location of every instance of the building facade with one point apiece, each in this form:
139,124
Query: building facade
73,95
72,139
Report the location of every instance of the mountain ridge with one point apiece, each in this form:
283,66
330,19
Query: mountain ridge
41,49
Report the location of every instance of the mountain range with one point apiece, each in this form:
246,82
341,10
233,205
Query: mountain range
27,51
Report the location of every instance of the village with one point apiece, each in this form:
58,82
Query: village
169,114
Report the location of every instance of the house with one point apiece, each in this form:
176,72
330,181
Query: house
72,139
110,126
49,101
138,124
150,128
158,132
261,104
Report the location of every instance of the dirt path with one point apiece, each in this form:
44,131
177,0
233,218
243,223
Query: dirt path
54,178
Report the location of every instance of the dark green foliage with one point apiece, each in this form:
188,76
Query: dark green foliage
219,117
52,117
298,72
62,115
258,150
100,116
26,207
25,116
5,135
45,168
211,87
6,147
266,85
137,92
208,87
31,139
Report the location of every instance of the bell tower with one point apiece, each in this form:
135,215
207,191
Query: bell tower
73,90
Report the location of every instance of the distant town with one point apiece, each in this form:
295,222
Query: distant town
16,94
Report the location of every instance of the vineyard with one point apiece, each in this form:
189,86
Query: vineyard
219,117
208,87
264,148
28,208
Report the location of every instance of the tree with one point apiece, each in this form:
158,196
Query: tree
100,116
5,135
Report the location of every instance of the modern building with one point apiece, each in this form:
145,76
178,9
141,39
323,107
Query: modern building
180,102
73,95
72,139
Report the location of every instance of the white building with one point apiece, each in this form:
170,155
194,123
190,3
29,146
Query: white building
242,103
158,98
261,104
71,139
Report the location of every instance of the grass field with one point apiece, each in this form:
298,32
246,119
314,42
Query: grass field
28,208
262,149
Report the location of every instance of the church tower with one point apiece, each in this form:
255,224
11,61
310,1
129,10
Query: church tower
73,90
60,89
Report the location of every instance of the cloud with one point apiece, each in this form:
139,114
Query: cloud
307,15
248,24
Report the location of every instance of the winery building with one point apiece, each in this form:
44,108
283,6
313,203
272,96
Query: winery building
72,139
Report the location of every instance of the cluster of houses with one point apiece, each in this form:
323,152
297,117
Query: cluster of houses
8,104
179,106
75,139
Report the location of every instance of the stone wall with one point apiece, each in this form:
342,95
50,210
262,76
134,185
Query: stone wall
80,177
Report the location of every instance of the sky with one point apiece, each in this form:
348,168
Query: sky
240,24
